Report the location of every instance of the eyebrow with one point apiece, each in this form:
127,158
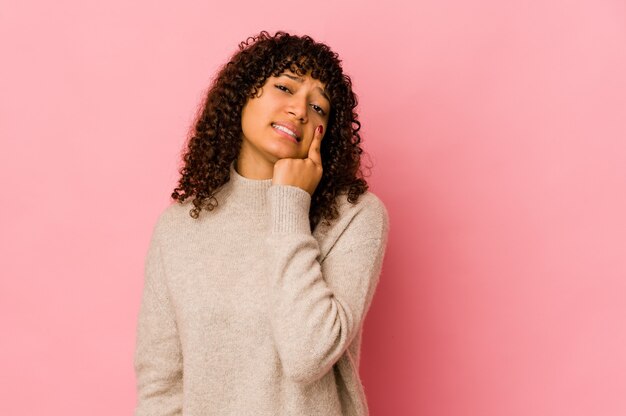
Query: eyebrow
300,80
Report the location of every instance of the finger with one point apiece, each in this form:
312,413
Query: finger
314,150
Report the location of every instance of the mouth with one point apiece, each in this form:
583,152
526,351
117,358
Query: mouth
286,130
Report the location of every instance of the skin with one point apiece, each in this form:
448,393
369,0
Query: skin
264,152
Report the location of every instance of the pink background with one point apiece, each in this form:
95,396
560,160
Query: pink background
497,131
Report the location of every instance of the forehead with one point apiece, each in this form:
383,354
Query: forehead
300,78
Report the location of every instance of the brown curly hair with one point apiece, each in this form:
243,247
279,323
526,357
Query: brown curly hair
216,138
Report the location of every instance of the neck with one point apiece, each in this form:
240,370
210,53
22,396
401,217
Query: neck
254,169
244,192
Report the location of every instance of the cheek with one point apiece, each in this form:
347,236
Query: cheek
250,115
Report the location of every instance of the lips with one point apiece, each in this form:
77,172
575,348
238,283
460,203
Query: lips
291,127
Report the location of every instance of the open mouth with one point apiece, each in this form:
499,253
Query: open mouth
287,131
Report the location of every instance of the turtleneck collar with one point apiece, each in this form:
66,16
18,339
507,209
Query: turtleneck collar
245,192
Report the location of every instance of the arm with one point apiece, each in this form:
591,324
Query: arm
158,357
317,309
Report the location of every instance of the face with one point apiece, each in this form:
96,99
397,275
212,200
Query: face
299,103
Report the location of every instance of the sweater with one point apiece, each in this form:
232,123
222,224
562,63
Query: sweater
245,311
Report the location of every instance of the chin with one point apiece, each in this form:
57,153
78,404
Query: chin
282,152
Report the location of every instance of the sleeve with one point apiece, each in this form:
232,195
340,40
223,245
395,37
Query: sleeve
317,309
158,357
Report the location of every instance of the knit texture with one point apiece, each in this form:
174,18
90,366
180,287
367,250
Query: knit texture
245,311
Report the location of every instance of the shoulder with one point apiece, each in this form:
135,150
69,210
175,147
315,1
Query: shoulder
173,217
368,211
365,219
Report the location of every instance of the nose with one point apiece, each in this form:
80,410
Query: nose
297,106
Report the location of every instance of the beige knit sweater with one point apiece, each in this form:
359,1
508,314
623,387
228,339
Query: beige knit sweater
246,312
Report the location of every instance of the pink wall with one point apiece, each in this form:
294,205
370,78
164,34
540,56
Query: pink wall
498,134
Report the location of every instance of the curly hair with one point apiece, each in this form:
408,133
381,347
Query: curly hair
216,138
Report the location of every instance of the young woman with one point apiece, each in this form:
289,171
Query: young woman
258,278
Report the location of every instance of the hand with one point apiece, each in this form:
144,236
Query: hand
303,173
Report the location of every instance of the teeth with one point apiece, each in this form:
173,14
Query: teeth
285,129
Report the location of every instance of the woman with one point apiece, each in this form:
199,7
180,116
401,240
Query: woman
258,279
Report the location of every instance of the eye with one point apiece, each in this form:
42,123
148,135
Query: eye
319,109
282,88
